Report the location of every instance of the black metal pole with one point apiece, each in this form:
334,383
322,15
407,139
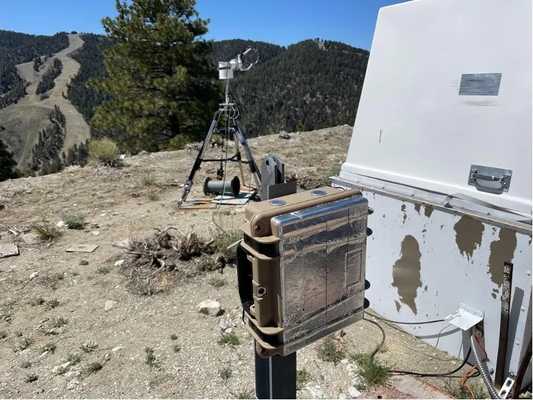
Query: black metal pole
501,361
522,371
275,377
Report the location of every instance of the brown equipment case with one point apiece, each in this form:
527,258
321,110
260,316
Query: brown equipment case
301,267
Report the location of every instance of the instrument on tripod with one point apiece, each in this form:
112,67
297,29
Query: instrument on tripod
226,123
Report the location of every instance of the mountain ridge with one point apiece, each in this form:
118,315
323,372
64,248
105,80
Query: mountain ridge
308,85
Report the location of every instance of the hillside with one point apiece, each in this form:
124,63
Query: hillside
42,128
310,85
17,48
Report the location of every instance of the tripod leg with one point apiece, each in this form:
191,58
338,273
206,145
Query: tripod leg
250,158
198,161
238,153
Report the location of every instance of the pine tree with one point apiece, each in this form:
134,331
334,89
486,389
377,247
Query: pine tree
159,77
7,163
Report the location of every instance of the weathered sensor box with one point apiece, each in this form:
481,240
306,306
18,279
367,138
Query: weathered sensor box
301,267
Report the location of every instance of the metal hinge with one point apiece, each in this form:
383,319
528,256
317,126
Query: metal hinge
506,388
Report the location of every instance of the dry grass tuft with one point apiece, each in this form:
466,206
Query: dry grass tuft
216,282
93,367
222,242
225,373
46,232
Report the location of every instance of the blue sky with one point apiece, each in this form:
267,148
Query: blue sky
277,21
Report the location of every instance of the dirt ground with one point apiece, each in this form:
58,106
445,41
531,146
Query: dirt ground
69,326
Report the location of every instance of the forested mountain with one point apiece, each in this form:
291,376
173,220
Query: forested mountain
225,50
17,48
91,59
310,85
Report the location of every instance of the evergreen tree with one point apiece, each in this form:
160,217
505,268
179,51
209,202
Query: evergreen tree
7,163
159,78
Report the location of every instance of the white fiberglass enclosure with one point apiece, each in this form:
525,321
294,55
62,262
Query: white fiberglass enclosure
447,94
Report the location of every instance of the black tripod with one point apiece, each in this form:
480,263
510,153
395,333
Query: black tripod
226,123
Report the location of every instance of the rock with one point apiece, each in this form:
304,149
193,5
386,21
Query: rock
8,250
61,224
31,238
226,325
353,392
84,262
123,244
61,369
109,304
95,233
72,374
209,307
117,348
315,392
34,275
284,135
73,384
119,263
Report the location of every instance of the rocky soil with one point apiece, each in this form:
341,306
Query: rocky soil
70,325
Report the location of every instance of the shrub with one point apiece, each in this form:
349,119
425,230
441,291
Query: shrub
178,142
225,373
302,378
104,151
229,338
74,358
75,221
330,352
151,359
372,372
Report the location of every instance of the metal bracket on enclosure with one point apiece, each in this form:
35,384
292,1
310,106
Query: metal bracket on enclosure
506,388
465,318
490,179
